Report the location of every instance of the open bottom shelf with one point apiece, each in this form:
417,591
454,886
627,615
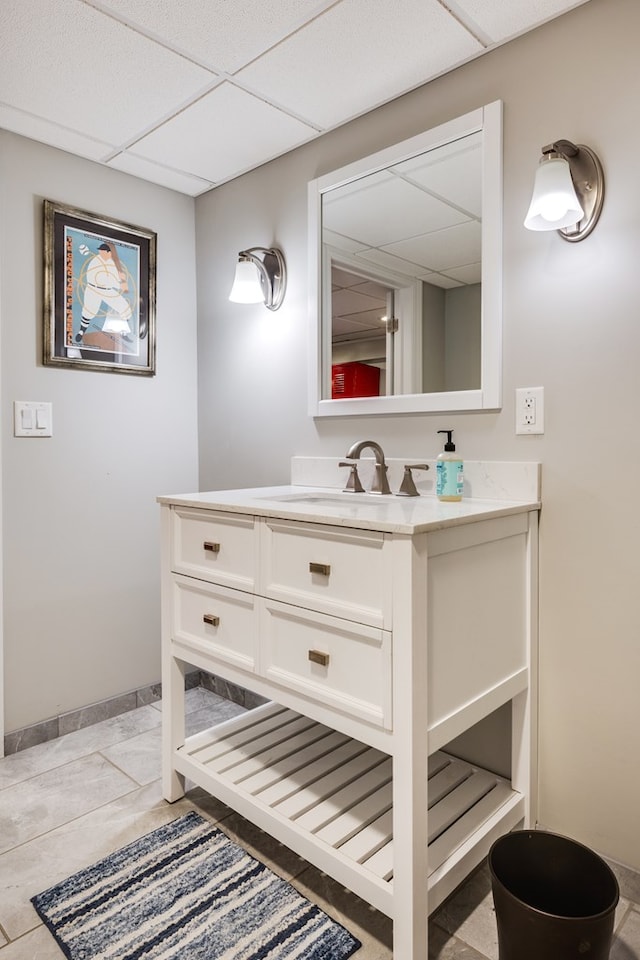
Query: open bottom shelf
329,797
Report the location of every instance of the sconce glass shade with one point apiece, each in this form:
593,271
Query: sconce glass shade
246,285
261,277
568,192
554,203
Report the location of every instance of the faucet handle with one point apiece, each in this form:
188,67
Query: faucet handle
408,487
354,484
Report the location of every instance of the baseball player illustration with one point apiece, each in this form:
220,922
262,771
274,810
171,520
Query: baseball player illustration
105,285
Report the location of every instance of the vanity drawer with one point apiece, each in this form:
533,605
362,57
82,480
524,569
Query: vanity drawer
340,664
216,546
214,620
339,571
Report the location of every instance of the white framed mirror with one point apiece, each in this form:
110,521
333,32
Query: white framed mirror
405,275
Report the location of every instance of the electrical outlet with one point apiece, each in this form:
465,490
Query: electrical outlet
530,410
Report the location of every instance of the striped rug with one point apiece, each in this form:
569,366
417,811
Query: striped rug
187,892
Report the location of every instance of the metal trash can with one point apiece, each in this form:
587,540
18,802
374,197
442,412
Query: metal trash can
555,899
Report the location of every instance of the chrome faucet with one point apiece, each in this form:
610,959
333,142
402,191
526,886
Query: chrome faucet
380,483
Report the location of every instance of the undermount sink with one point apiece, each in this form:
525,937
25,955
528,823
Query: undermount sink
330,499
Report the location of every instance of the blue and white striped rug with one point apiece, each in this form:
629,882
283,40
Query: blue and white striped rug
187,892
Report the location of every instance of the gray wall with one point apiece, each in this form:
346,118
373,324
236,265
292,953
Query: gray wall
451,338
463,337
433,338
81,539
571,325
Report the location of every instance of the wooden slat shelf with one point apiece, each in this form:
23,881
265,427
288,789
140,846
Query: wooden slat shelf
321,791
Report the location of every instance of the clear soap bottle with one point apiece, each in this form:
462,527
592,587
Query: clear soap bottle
449,471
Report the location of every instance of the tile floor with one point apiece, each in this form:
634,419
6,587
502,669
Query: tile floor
69,802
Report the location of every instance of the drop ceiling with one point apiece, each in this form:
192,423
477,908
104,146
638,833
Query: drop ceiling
191,93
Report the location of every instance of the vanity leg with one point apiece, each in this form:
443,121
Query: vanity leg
173,671
524,715
410,760
173,726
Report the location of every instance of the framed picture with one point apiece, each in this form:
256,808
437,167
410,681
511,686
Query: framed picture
100,292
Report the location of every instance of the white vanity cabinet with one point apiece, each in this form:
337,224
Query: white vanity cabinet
379,633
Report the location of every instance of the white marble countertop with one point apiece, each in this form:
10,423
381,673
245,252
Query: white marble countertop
388,514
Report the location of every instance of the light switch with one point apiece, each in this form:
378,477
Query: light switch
32,418
26,418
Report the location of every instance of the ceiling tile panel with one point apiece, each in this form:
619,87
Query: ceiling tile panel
501,20
37,129
399,265
146,170
452,247
350,328
440,280
374,289
226,34
458,180
350,301
73,65
345,244
342,278
384,210
358,54
223,134
471,273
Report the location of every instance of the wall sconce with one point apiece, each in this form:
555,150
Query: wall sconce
261,277
568,191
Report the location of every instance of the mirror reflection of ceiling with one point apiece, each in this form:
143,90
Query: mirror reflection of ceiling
420,218
186,81
358,307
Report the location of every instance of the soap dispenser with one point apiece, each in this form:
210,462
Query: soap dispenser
449,471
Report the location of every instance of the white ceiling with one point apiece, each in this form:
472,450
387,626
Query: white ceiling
191,93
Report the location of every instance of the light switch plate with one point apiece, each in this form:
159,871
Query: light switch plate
32,418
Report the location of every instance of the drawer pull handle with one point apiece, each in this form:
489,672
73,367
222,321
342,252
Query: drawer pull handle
211,547
317,657
323,568
212,619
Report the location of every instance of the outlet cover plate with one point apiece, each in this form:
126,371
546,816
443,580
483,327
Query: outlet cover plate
529,410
